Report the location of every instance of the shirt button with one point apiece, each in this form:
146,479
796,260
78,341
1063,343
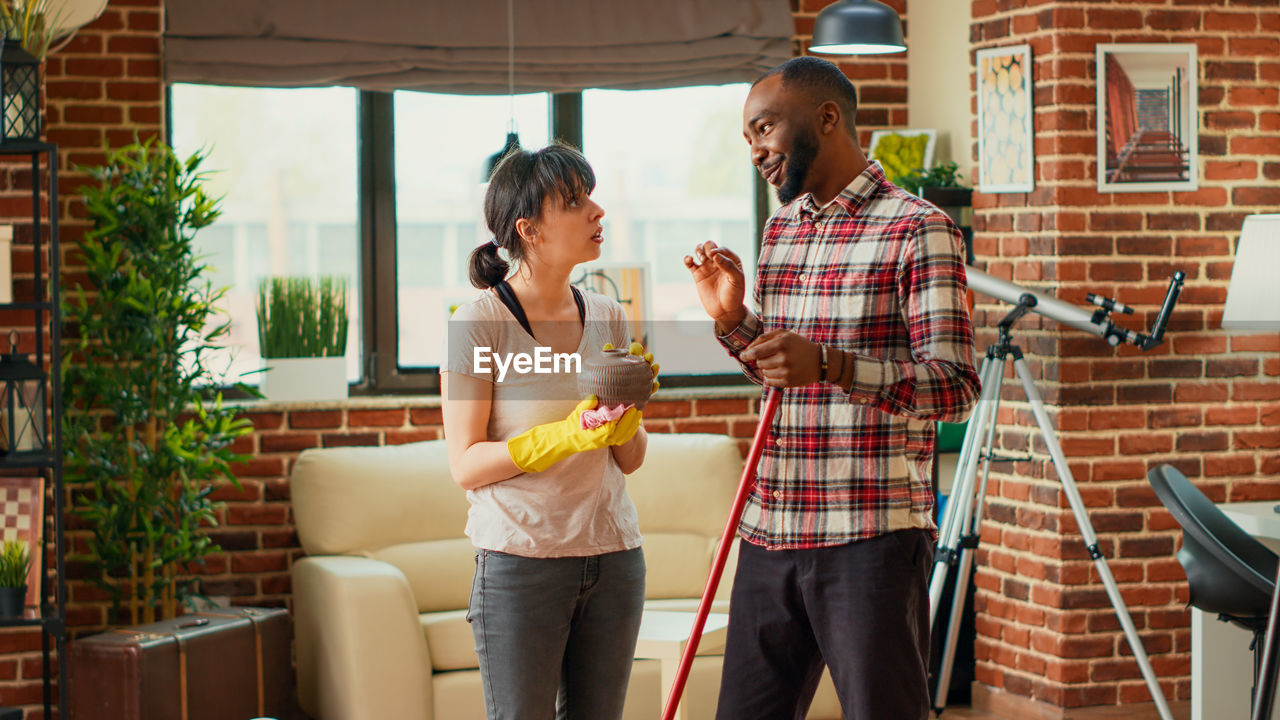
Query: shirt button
777,494
804,277
862,400
817,226
780,442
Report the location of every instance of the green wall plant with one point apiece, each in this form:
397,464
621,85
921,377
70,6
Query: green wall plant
15,562
146,436
302,317
940,175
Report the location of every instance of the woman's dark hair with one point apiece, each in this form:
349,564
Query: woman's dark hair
520,185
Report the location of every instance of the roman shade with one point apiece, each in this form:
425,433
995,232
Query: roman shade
461,47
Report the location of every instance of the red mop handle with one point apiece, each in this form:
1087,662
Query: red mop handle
722,552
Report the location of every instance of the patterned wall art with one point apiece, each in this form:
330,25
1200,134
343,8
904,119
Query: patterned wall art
22,518
1147,109
1006,161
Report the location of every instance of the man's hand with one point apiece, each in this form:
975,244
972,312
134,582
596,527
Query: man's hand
717,274
784,359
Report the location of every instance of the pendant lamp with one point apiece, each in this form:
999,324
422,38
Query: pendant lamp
857,27
513,138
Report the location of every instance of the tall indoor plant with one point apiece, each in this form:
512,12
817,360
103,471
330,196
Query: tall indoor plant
146,436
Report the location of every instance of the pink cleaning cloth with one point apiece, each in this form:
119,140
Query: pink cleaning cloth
592,419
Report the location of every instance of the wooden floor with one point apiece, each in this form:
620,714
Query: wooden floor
955,713
1180,711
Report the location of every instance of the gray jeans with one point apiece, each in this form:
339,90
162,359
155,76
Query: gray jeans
556,636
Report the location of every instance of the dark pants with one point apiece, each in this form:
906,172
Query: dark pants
863,608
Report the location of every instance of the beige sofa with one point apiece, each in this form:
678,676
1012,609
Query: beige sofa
379,601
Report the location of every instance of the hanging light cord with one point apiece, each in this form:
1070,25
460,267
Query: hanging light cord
511,66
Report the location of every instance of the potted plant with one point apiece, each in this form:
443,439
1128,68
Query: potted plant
15,562
146,435
302,335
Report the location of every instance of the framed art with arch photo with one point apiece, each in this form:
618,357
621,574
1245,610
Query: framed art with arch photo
1147,117
1006,155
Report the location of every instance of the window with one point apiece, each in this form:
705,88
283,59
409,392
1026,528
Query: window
673,171
387,190
442,147
284,164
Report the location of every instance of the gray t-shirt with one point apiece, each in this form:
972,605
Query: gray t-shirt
575,508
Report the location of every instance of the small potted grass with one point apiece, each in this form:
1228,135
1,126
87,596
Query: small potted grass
302,336
15,562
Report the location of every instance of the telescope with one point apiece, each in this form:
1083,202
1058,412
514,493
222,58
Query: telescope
1096,323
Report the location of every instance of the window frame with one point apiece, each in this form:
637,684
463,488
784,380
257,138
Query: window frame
376,207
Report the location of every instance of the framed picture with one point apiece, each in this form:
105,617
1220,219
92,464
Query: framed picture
1006,156
1147,117
902,151
628,283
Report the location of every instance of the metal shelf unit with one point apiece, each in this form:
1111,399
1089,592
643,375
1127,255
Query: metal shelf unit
44,313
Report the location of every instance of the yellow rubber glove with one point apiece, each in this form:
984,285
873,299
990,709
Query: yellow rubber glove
638,349
542,446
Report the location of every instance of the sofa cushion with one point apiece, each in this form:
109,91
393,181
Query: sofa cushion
686,484
356,499
439,571
450,641
677,564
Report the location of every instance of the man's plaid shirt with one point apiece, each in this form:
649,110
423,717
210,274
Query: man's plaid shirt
879,273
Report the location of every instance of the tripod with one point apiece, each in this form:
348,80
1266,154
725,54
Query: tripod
958,533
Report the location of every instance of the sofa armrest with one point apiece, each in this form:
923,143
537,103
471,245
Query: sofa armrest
361,650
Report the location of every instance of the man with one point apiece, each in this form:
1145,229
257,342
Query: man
861,316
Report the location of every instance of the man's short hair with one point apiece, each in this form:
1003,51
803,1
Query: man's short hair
822,81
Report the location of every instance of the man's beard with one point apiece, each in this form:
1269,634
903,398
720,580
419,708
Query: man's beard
799,161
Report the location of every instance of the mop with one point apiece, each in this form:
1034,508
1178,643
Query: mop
722,552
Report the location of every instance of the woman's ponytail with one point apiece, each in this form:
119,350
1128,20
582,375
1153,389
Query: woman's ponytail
487,267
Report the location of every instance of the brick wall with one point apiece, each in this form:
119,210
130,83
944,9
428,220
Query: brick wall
1205,401
101,88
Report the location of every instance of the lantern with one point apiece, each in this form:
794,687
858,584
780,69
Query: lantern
19,94
22,403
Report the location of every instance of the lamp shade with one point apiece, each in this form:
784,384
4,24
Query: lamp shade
1253,298
857,27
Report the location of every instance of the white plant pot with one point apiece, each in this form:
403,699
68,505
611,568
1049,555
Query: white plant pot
304,379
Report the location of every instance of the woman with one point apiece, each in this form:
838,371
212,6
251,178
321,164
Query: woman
559,583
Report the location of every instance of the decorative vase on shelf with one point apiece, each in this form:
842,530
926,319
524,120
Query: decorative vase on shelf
617,378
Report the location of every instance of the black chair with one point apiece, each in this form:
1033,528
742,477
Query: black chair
1229,572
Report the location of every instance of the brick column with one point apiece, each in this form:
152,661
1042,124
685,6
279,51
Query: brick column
1205,401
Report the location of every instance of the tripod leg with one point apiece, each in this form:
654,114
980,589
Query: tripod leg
967,541
980,428
947,662
1090,538
1265,677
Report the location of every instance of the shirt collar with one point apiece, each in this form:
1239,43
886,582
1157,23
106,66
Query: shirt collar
857,192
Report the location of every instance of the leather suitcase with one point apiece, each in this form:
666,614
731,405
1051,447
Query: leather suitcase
226,664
